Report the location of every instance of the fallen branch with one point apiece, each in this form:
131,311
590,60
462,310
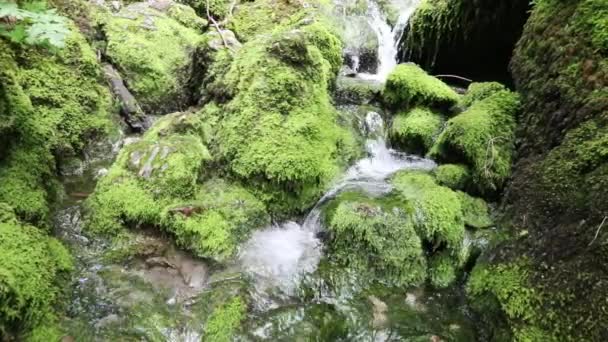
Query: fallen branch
456,77
217,28
597,232
229,15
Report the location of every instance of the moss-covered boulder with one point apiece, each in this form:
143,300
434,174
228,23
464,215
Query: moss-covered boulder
483,138
454,176
33,271
437,210
350,90
415,131
154,48
409,85
376,241
261,16
279,132
155,182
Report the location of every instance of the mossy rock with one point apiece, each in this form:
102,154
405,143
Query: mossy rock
415,131
475,211
279,133
252,18
33,270
454,176
409,85
154,51
376,241
437,214
350,90
483,138
478,91
225,321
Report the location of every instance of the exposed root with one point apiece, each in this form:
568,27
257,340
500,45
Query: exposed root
597,232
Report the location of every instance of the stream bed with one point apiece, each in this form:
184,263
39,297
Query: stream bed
160,292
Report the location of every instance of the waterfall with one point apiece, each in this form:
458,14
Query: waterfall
388,37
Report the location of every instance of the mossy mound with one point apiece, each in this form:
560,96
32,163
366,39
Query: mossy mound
409,85
32,272
378,242
478,91
437,210
155,182
443,270
415,131
279,132
475,211
454,176
225,321
154,51
483,138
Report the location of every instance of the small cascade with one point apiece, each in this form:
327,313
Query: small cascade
277,257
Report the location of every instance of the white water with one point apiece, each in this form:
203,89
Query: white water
388,37
278,256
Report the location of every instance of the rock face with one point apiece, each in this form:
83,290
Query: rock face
459,37
557,199
153,45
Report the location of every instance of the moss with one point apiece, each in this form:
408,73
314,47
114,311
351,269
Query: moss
483,138
228,214
437,211
505,289
381,244
259,17
56,103
279,132
154,53
442,270
186,16
225,321
453,176
416,130
409,85
478,91
351,90
32,268
475,211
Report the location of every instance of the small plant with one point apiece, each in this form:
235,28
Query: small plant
33,23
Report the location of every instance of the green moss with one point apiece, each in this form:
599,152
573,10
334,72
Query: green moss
225,321
416,130
437,211
154,53
32,268
259,17
409,85
505,289
381,244
356,91
442,270
279,133
479,91
186,16
453,176
483,138
475,211
225,215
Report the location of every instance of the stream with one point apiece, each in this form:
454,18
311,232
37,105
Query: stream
295,295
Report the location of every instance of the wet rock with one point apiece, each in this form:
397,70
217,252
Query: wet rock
129,108
159,262
350,90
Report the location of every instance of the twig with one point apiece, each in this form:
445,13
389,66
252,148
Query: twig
455,76
217,28
229,15
597,232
